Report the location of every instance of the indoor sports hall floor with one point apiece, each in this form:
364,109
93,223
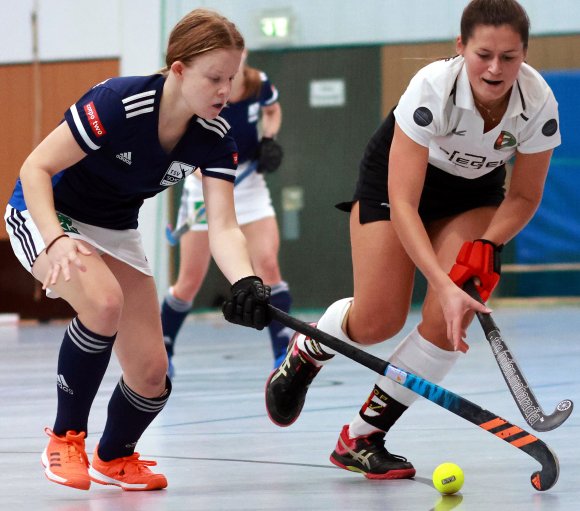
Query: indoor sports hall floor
219,450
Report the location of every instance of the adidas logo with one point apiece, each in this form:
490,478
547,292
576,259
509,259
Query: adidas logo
63,385
126,157
54,460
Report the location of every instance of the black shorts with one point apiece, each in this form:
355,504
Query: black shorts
443,194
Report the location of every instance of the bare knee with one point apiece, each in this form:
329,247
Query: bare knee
102,311
150,380
267,268
369,332
154,378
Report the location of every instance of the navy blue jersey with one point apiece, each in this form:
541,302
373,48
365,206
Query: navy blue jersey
243,117
116,124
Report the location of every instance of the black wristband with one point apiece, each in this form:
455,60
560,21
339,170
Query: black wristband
496,248
54,241
496,254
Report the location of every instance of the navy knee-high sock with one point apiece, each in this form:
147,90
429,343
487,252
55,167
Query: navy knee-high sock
279,334
82,362
173,314
129,415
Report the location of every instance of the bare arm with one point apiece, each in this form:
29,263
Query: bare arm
227,243
523,197
56,152
271,120
407,169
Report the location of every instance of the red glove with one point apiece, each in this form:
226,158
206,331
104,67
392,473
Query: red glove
479,258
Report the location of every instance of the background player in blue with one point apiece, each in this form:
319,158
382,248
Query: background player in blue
72,222
432,177
253,99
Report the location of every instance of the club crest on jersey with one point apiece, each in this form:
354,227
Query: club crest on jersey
235,158
505,141
176,172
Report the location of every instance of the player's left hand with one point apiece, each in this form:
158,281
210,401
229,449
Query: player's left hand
269,155
248,304
478,260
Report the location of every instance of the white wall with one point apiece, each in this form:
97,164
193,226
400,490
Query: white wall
345,22
67,29
133,29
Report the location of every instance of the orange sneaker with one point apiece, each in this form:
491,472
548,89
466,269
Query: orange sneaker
65,460
130,473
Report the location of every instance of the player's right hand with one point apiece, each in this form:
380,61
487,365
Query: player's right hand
458,309
64,252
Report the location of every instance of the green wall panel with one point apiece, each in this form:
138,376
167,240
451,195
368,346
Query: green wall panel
323,147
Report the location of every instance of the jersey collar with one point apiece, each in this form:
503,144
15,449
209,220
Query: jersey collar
463,97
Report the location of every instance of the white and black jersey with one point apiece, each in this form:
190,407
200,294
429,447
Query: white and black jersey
438,111
466,167
116,124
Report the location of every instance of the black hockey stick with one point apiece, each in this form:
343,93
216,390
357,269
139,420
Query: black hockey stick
515,379
541,480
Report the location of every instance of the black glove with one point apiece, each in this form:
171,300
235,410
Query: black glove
248,305
269,155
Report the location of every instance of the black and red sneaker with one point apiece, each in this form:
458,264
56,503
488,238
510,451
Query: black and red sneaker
368,456
287,385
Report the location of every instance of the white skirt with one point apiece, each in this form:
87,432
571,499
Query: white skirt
27,243
251,196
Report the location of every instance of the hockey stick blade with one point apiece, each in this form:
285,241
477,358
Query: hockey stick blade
541,480
173,236
169,235
517,384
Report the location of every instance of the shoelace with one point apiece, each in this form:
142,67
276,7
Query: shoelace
378,442
137,464
75,449
76,454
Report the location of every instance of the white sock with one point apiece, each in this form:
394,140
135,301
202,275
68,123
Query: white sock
418,356
331,323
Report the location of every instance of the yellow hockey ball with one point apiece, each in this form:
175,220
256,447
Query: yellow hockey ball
448,478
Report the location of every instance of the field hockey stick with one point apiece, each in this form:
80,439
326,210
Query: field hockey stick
173,235
515,379
541,480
